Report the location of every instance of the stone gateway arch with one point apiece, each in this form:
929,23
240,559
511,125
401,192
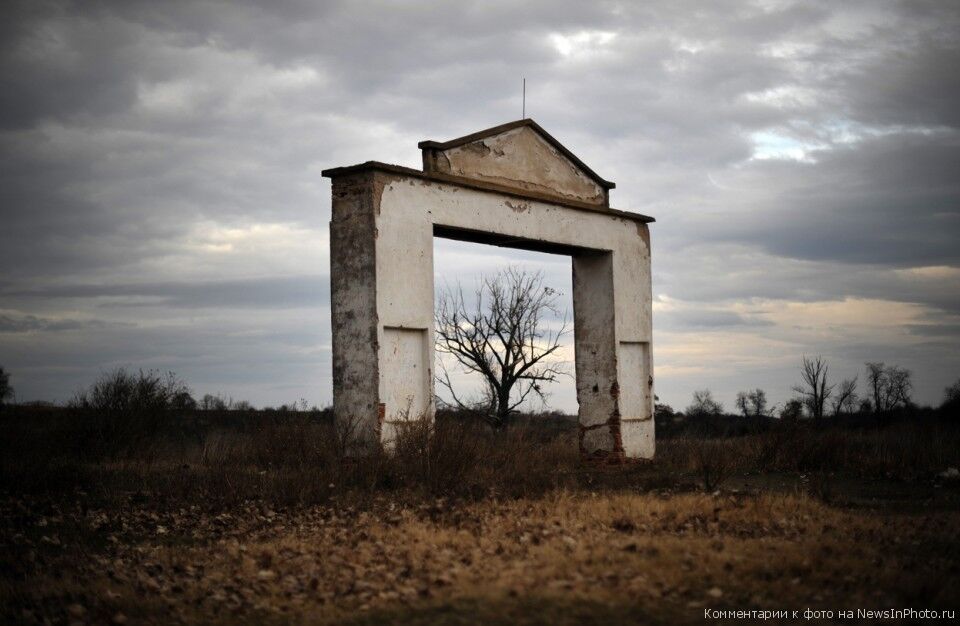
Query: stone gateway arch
514,186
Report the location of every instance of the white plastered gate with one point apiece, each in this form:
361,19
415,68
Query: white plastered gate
515,186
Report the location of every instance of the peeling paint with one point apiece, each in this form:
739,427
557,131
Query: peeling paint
521,158
380,183
518,207
478,148
443,163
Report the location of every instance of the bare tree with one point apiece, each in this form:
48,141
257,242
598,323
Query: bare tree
503,338
743,404
704,404
6,391
815,391
876,378
752,402
758,397
951,396
846,398
210,402
891,386
899,386
792,409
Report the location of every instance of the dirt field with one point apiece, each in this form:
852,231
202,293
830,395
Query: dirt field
564,558
181,536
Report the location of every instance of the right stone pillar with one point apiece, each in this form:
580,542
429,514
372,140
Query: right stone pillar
614,376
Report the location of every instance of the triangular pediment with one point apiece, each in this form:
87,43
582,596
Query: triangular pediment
518,155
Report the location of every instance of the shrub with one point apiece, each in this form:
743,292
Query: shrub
704,404
951,398
6,391
124,413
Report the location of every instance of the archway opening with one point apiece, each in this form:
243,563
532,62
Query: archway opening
462,263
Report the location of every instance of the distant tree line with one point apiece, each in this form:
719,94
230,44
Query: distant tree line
889,387
6,391
121,390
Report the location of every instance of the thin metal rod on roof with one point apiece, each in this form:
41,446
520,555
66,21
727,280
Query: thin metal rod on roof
523,114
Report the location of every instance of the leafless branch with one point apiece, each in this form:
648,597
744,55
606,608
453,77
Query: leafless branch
502,338
814,390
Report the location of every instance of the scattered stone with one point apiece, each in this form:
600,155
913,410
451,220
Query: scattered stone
951,473
266,574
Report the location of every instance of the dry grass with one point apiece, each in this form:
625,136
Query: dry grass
904,451
286,460
388,562
262,519
294,458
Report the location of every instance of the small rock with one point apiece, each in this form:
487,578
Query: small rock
119,618
715,592
266,574
76,610
951,473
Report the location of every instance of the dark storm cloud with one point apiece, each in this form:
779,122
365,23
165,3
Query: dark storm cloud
58,64
890,200
32,323
160,161
270,359
266,293
743,274
709,320
918,84
946,331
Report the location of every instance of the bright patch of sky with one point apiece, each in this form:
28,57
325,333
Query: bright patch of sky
582,44
772,145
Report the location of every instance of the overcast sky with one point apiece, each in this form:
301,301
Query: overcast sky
162,204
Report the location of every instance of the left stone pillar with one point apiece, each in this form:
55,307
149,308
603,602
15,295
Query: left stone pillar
381,308
353,309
